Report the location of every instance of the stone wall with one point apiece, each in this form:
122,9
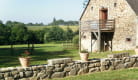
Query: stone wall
125,23
59,68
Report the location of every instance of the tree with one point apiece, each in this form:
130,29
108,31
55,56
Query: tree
19,30
76,40
69,34
85,3
55,33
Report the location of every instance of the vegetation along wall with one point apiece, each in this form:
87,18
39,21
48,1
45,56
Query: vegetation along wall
59,68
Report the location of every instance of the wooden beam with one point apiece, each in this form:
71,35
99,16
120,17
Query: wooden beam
95,35
99,39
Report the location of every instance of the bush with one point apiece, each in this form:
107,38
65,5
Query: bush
76,40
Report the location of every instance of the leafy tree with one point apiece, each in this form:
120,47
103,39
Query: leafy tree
76,32
19,31
55,33
85,3
76,40
69,34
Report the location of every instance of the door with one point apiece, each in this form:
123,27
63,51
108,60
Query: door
103,17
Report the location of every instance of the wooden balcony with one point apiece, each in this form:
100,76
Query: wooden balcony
95,25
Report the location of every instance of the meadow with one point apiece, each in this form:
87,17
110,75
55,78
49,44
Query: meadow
124,74
43,52
36,28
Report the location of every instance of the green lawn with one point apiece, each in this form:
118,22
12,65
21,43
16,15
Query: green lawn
125,74
35,28
42,53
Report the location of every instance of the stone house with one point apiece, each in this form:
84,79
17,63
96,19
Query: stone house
109,25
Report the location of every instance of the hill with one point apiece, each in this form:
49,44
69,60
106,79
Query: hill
35,28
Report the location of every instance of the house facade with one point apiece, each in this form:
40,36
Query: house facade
109,25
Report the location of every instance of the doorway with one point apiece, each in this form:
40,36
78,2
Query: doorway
103,17
106,41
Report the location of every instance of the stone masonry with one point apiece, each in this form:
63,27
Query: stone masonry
59,68
125,24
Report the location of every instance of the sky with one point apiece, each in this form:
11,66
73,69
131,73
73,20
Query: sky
40,10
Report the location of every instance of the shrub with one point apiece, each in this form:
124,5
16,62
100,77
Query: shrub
76,40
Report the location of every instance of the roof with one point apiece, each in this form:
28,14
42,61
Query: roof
134,5
84,9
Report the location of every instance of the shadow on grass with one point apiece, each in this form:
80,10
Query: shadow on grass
39,56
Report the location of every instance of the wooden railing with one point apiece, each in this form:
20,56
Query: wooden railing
97,24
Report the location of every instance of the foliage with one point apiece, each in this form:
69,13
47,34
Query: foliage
62,22
85,3
35,24
76,40
43,52
84,51
25,54
18,33
69,34
55,33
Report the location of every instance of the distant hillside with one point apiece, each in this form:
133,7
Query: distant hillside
35,28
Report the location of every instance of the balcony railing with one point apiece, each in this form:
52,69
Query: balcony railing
97,24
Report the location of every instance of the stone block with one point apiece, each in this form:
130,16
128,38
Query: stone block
58,70
133,59
20,69
7,74
16,76
14,72
28,73
21,74
42,75
119,55
73,72
92,70
136,64
9,78
128,64
120,66
105,61
67,69
97,64
58,75
91,65
4,69
83,71
59,61
1,76
50,68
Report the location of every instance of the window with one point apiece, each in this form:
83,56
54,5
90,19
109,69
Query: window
128,39
115,4
91,8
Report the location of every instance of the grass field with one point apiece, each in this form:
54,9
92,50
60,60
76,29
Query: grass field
35,28
125,74
42,53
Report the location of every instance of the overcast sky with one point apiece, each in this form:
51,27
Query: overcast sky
40,10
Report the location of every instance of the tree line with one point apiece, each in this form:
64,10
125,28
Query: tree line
17,33
55,22
62,22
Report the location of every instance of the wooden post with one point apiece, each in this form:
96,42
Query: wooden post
91,41
99,39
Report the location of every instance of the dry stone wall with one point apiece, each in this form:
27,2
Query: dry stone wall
59,68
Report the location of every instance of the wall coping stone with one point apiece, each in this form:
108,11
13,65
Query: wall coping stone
59,61
119,55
